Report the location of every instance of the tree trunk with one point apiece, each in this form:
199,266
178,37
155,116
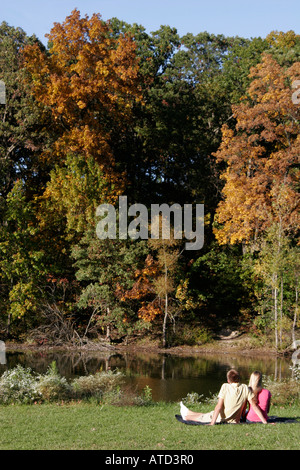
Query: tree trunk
281,312
164,340
108,330
295,314
165,323
8,325
275,310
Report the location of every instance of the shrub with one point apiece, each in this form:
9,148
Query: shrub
193,398
52,386
145,398
97,385
198,399
19,385
285,392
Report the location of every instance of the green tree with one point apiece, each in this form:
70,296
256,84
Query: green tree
74,191
177,125
22,268
23,122
277,268
105,269
284,47
218,288
242,56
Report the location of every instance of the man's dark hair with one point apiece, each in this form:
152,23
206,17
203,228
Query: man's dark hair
233,376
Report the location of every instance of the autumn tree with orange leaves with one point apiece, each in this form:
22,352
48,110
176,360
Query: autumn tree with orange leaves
262,157
260,206
89,80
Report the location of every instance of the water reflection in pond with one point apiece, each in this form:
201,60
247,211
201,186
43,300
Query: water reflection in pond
170,377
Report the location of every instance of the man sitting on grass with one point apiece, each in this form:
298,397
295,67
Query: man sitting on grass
233,397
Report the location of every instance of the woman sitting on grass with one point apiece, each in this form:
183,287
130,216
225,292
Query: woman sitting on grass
262,398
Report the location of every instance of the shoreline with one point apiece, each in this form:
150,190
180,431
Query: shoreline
227,347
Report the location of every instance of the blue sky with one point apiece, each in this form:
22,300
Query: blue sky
247,18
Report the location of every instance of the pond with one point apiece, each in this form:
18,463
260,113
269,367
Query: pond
170,377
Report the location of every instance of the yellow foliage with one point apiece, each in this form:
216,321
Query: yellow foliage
262,155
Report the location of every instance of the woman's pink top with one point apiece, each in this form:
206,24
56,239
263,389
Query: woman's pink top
263,401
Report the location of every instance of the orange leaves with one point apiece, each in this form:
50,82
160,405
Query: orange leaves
148,312
89,79
143,290
262,155
143,286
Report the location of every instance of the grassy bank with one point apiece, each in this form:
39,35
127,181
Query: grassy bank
86,426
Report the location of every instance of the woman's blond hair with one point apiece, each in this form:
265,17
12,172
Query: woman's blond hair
255,383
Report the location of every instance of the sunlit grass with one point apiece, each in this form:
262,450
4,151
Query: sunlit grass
79,426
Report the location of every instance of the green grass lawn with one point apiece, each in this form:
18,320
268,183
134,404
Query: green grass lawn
87,426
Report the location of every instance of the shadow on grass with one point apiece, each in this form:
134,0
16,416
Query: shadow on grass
271,420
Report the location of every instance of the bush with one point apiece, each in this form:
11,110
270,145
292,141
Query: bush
96,385
193,398
18,385
52,386
145,398
285,392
